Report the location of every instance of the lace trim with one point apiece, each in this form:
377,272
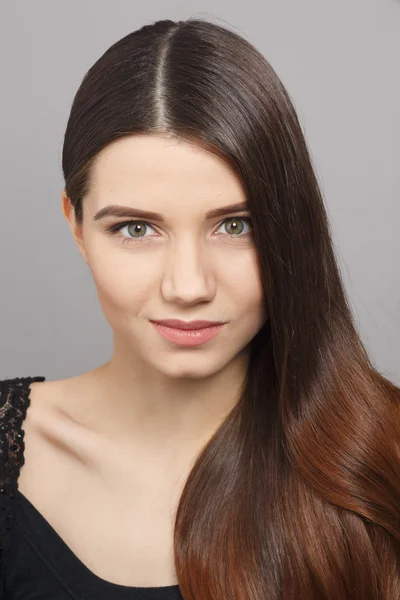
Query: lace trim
14,402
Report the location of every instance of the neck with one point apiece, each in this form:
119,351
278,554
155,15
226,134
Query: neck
133,402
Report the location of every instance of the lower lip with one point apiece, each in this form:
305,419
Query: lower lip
188,337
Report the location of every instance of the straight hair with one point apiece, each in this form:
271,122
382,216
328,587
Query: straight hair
297,494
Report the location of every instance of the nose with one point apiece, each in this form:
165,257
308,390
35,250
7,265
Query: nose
188,276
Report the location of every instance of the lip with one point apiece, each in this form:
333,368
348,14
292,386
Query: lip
188,337
178,324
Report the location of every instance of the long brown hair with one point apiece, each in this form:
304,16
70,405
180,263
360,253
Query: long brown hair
297,495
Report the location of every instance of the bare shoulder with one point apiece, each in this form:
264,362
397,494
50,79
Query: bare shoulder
62,401
49,404
53,440
44,399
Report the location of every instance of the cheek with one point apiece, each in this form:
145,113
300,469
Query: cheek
121,283
243,280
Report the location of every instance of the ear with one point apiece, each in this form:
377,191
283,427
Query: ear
76,228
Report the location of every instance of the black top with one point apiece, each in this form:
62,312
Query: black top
35,562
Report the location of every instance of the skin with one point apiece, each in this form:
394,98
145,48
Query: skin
113,447
165,394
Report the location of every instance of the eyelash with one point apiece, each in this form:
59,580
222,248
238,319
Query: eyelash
115,229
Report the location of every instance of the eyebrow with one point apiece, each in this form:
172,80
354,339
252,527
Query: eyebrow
116,210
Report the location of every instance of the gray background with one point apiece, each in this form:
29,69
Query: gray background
340,63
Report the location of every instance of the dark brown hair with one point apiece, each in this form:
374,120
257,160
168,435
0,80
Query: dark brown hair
297,495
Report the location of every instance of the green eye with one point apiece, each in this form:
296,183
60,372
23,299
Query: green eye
233,225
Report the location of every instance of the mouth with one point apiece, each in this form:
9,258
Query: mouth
188,337
187,325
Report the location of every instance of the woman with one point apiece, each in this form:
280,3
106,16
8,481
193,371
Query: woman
253,457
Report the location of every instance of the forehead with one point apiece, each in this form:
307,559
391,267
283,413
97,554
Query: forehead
154,167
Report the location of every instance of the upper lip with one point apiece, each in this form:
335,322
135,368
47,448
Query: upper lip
178,324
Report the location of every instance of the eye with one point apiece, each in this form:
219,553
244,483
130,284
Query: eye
234,227
136,229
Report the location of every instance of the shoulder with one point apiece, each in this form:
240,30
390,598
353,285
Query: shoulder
45,427
29,407
14,402
46,400
14,393
37,436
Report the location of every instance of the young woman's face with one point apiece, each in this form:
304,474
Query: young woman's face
184,265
